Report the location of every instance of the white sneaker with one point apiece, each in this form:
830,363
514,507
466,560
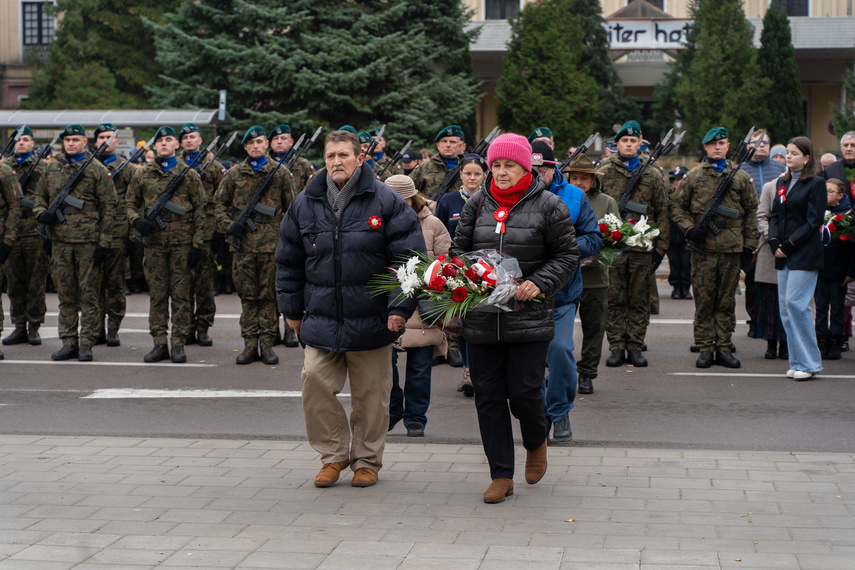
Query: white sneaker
802,375
790,373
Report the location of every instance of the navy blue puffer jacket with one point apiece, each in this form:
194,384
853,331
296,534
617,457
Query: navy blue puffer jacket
323,266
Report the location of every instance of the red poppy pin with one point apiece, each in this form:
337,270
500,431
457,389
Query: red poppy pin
374,222
501,216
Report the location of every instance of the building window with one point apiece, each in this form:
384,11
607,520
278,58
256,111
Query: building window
657,3
38,25
501,9
793,7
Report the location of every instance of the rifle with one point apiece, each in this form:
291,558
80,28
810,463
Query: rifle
662,148
25,178
254,206
164,201
11,144
217,156
579,150
480,149
370,152
63,198
714,208
139,152
297,150
398,156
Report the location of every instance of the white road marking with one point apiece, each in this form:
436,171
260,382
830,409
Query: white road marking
95,363
819,376
145,316
132,393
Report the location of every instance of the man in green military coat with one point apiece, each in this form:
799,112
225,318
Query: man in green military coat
379,161
10,217
631,273
429,175
171,252
715,271
80,244
253,267
281,141
27,265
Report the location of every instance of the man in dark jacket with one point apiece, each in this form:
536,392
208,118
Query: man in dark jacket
842,168
343,229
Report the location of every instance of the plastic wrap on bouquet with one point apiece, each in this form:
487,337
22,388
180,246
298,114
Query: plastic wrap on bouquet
502,273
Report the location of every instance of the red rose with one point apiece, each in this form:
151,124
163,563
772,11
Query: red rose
831,227
457,261
440,258
838,218
616,235
437,284
472,276
604,228
632,221
459,294
449,271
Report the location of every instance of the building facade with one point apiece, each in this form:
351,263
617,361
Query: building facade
26,29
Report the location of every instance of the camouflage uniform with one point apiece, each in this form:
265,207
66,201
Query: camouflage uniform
378,165
10,203
115,266
302,172
166,262
429,175
253,268
631,273
715,273
74,274
27,266
202,276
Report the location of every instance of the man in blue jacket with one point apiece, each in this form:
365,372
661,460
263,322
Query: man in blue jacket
560,392
343,229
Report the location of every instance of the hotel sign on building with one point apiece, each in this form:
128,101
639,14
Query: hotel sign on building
647,34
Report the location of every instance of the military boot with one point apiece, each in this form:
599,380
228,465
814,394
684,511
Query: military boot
705,359
17,336
203,339
725,358
248,356
616,358
67,352
158,353
85,353
33,336
102,337
635,358
178,355
268,356
191,338
113,338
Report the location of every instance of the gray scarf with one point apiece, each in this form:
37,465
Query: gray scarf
339,199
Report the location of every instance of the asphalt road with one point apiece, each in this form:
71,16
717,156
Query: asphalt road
669,404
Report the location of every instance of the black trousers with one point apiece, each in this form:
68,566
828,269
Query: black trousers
829,297
680,263
750,290
508,379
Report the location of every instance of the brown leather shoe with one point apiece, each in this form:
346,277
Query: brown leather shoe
268,356
364,477
498,490
33,336
535,464
329,473
248,356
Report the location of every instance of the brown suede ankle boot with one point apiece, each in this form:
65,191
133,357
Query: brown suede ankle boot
498,490
535,464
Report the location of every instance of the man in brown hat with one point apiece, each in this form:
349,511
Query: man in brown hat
595,275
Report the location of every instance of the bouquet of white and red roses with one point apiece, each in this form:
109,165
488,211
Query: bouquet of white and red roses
837,225
452,286
618,235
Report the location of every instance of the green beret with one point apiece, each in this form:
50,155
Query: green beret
539,132
279,130
449,131
254,131
72,130
26,131
105,128
164,132
364,137
629,129
349,129
715,134
187,129
373,132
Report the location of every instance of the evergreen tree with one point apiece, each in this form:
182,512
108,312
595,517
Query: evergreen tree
545,82
612,106
843,118
101,56
313,63
778,64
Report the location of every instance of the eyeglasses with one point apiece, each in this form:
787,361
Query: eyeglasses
833,192
763,143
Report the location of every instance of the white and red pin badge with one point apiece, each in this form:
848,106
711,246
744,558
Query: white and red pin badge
501,216
485,272
782,194
374,222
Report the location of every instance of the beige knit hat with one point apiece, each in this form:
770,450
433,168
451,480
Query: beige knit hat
403,185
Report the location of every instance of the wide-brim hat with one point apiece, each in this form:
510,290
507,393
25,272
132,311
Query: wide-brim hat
581,163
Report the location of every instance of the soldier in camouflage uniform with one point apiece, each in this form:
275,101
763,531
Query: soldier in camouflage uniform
27,266
202,276
112,288
380,161
170,253
10,218
80,245
254,269
430,174
715,272
281,142
630,274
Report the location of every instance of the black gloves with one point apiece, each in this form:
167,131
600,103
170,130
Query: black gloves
143,226
238,230
657,260
194,256
99,255
696,235
129,247
47,218
747,254
5,250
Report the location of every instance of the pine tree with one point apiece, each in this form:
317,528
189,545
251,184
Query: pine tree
311,63
843,118
103,40
544,82
778,64
612,106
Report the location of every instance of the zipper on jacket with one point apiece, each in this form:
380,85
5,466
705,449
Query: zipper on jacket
338,295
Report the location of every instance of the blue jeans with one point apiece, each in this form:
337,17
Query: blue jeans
560,394
795,290
412,402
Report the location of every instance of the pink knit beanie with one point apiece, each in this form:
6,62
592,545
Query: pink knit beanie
512,147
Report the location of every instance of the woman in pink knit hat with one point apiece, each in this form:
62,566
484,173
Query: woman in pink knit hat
517,216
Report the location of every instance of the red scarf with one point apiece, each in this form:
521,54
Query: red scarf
507,199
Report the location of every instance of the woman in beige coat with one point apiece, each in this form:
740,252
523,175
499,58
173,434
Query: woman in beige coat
420,339
767,318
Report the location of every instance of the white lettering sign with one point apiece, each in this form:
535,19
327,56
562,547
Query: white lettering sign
647,34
